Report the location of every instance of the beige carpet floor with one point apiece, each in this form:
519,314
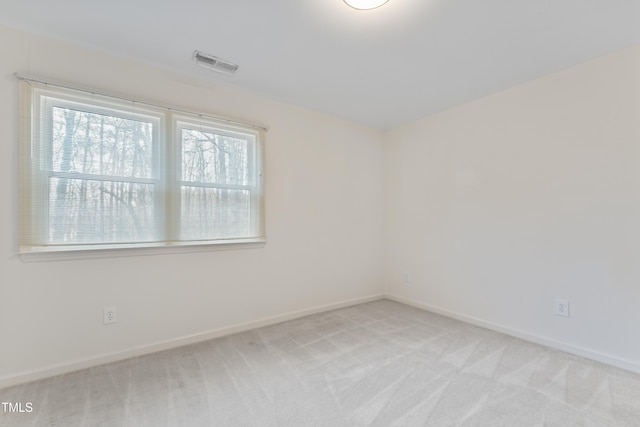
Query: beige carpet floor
375,364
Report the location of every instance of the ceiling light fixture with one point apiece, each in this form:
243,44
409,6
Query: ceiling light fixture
365,4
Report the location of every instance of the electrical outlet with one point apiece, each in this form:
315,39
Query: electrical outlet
562,307
406,277
109,315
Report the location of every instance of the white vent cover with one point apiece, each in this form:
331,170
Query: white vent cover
211,62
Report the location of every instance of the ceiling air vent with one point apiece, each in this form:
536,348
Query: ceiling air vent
210,62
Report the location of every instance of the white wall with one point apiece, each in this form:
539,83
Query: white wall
324,220
498,206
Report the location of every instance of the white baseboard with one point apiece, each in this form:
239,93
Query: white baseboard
569,348
76,365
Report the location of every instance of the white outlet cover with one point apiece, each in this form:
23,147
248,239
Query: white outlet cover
109,315
562,307
406,277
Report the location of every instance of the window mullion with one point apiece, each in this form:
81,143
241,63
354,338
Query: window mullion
95,177
170,186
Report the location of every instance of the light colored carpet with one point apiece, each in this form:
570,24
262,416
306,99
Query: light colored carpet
375,364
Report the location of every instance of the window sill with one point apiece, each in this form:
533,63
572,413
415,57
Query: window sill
42,254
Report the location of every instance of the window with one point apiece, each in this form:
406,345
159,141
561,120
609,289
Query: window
102,172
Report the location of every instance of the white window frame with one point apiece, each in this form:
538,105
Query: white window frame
37,99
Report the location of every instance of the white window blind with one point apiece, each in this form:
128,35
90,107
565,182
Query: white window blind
100,171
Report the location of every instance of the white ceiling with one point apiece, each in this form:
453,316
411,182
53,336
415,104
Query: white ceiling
384,67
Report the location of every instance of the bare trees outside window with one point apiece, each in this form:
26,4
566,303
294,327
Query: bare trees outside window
100,186
216,185
102,171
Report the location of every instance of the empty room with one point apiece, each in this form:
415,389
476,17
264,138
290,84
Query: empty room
320,213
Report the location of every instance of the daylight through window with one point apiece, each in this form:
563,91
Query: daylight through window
99,171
